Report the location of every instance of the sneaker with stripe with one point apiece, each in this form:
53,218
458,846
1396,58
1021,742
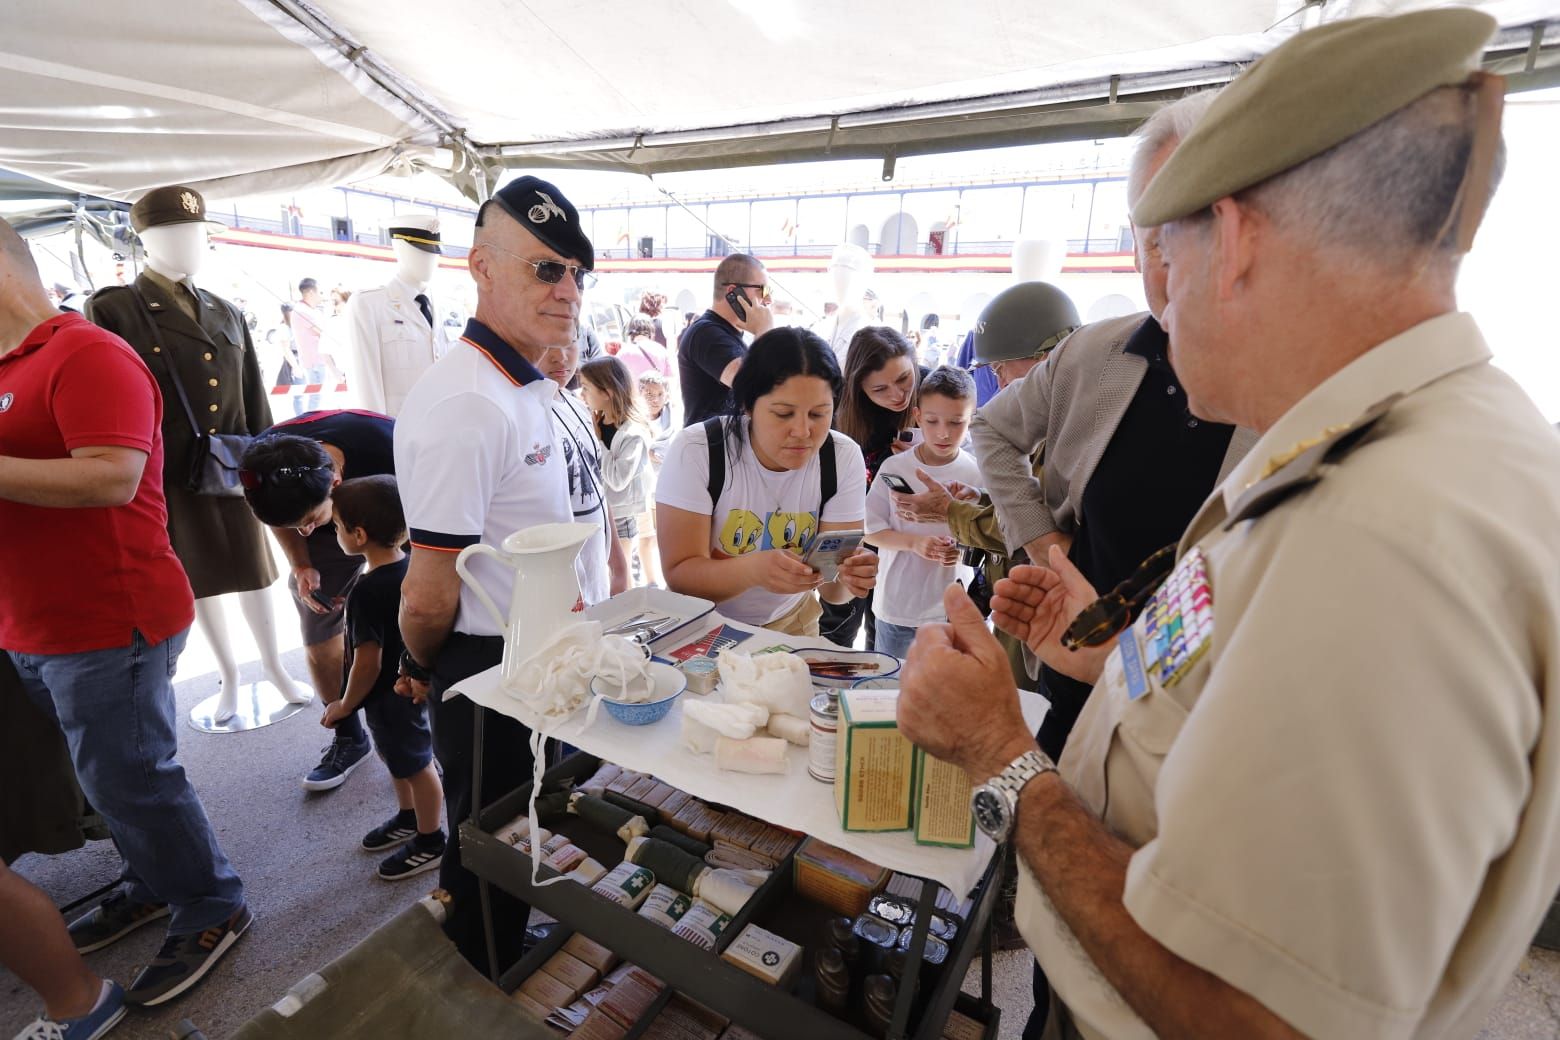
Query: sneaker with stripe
186,959
390,833
417,856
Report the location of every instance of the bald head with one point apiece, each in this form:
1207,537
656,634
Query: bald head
23,300
16,255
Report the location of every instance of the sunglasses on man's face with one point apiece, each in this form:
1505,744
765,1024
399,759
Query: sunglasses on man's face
1099,622
282,476
764,292
552,271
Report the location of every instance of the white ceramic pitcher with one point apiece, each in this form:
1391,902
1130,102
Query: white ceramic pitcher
546,587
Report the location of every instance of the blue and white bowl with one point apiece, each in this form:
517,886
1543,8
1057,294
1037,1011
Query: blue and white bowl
669,685
887,665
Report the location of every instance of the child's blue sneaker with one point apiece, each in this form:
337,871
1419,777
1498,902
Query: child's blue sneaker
110,1009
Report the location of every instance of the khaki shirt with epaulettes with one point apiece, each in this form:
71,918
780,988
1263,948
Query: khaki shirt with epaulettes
1345,799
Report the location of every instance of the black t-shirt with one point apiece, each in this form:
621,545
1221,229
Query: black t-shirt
1160,464
707,346
373,607
367,444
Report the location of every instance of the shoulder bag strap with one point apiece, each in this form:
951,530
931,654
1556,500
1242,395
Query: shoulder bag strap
715,436
828,474
162,351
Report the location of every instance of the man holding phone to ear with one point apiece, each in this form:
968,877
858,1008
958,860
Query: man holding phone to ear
711,347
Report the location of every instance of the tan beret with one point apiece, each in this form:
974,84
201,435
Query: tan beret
1310,93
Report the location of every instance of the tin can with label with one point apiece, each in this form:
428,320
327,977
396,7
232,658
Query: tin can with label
824,716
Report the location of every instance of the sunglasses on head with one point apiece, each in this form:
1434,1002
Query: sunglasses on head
282,476
1101,620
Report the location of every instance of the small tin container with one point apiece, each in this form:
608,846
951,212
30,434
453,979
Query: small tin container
824,717
702,674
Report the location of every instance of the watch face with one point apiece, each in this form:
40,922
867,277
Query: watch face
990,811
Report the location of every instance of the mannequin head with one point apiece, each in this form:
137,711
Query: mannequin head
175,251
172,225
414,238
851,268
413,264
1038,259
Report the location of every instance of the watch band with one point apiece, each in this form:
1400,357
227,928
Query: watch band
1021,770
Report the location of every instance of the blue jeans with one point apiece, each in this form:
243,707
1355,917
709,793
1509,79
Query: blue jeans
117,710
893,639
309,402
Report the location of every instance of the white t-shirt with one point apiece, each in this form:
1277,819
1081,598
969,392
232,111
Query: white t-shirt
910,588
477,459
582,454
760,509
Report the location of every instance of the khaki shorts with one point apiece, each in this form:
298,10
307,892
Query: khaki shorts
801,620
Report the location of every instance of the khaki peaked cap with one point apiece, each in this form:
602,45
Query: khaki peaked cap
1309,94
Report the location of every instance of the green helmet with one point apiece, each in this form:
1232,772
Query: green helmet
1023,321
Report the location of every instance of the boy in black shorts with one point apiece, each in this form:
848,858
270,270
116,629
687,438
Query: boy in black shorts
370,524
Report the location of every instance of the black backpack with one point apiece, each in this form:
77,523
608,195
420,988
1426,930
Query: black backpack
715,435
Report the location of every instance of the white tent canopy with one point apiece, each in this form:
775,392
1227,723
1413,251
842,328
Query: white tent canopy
244,96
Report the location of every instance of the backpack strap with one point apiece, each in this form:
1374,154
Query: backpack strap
828,474
715,436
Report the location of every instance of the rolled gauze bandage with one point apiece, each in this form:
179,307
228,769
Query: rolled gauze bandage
605,816
635,807
729,890
667,862
790,729
692,846
754,755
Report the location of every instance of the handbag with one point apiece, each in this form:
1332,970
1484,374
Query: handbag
214,457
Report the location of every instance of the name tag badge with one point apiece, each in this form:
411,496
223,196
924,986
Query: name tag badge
1132,664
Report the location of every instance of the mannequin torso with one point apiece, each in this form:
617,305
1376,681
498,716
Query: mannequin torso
392,339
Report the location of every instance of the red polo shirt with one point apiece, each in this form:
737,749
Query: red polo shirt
73,580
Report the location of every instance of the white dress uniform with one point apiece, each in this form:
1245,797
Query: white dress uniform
392,344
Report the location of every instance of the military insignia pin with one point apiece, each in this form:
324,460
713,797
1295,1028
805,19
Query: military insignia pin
545,210
1178,621
190,202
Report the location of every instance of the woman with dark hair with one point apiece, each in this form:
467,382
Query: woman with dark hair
881,380
608,391
737,537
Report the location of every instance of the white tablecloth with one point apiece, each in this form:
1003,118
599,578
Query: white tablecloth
793,800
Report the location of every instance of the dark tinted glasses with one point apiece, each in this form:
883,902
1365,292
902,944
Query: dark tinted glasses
1101,620
552,271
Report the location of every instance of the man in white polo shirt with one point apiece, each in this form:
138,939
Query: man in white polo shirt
478,458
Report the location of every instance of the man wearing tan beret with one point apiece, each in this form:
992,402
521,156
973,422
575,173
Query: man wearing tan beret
1316,789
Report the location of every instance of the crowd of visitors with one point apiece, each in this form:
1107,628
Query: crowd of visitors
1297,776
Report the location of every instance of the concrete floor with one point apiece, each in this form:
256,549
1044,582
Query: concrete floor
314,893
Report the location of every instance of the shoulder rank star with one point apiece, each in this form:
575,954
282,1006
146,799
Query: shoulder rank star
1284,458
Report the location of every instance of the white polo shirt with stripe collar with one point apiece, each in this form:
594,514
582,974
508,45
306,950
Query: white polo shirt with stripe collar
477,458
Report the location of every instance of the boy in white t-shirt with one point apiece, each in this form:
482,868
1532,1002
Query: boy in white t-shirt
920,560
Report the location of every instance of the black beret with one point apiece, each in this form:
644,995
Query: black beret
540,208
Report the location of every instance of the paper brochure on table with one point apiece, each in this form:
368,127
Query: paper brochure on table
793,800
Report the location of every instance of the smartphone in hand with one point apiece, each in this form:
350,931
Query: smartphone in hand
328,602
898,484
735,298
829,548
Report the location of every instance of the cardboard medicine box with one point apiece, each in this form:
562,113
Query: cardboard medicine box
874,774
942,804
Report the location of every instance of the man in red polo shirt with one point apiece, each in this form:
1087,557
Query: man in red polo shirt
95,613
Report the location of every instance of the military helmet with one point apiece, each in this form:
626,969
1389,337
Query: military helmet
1023,321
